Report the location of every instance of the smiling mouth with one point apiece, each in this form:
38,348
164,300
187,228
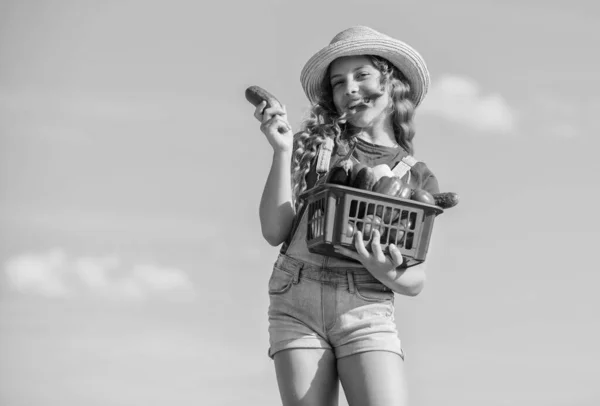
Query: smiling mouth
359,104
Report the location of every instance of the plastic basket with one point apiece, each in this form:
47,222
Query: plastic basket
335,212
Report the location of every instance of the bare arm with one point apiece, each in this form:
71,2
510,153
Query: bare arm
406,281
276,210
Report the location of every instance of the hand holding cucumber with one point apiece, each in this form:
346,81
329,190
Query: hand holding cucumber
273,117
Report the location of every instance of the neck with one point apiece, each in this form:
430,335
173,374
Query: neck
380,133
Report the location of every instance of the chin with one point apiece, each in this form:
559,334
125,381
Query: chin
357,119
361,122
368,118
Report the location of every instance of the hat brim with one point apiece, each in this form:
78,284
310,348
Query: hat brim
401,55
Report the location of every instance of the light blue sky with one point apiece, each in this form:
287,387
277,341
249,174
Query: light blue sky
131,168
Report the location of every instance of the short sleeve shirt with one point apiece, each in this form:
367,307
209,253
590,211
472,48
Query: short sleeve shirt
373,155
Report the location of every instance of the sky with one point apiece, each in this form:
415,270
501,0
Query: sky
132,267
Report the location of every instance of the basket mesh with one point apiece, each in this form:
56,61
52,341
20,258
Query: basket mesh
335,213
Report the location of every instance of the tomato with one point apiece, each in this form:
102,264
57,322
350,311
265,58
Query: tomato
407,220
423,196
349,231
393,233
371,222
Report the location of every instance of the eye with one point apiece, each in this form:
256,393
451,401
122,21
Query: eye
363,75
336,83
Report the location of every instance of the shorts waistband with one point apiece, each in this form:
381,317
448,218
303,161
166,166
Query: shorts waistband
300,268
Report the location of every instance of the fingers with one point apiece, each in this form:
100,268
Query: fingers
258,112
396,255
263,113
278,122
376,246
272,111
274,117
376,257
359,244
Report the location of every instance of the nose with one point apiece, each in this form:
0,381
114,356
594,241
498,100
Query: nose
351,87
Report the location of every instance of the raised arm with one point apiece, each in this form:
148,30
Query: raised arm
276,210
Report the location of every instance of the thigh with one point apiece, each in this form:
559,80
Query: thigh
307,377
373,378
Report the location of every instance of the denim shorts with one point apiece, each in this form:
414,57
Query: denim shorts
345,310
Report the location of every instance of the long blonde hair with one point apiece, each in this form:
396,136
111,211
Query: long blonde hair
325,122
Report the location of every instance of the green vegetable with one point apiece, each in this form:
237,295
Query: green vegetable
338,176
365,179
446,200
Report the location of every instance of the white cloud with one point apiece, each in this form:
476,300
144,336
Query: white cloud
93,271
54,274
459,99
158,278
39,274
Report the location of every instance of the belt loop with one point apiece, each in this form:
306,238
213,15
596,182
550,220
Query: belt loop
350,281
297,269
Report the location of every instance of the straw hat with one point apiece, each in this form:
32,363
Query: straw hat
362,40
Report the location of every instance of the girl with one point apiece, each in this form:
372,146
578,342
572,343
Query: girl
331,319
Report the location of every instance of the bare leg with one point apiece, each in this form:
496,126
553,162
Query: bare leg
307,377
374,378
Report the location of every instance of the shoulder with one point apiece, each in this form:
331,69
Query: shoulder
422,168
425,178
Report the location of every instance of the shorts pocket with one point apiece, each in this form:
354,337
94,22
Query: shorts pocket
374,292
280,282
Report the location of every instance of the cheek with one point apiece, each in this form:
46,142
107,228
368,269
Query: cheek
384,101
337,102
372,86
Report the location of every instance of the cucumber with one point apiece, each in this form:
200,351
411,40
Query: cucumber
338,176
256,94
365,179
446,200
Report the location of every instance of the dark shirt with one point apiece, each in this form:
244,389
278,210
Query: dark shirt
372,155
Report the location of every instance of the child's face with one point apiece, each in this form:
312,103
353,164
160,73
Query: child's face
357,90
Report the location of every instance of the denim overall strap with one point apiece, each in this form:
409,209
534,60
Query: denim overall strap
324,162
322,167
324,157
351,286
404,166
